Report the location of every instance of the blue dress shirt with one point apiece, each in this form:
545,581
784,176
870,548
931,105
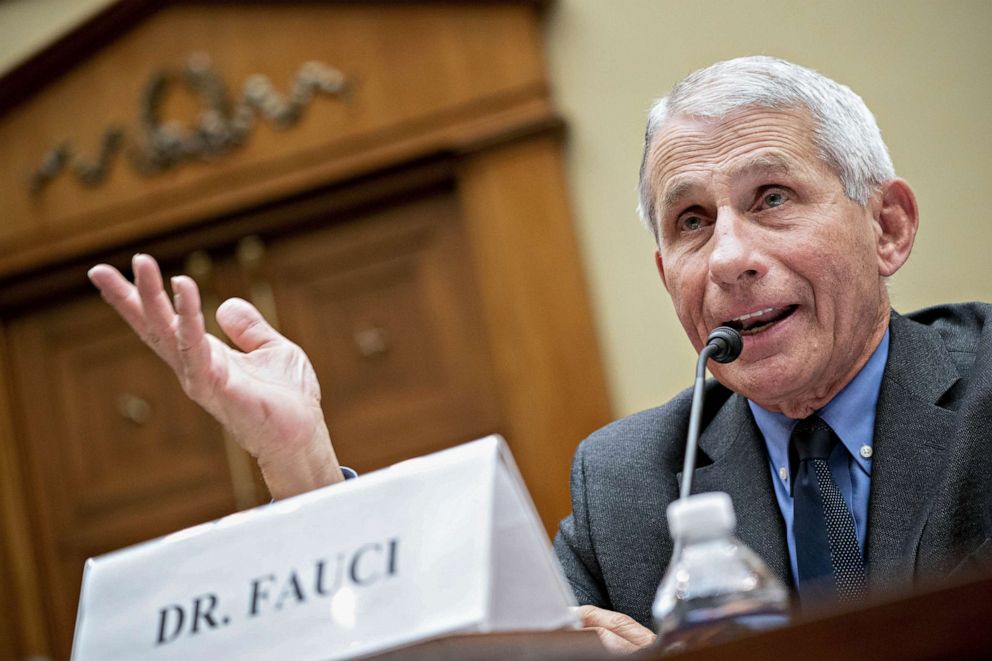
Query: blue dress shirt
851,414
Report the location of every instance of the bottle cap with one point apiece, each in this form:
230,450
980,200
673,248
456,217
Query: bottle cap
701,515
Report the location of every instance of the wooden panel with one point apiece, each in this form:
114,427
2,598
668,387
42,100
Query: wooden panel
21,601
384,306
8,627
424,74
548,366
105,472
419,249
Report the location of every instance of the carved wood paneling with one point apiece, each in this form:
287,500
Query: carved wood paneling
102,476
413,237
423,75
385,307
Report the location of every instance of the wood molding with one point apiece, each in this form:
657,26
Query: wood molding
96,32
15,532
545,351
351,160
449,87
275,216
40,70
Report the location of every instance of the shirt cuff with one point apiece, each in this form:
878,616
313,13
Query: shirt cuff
349,474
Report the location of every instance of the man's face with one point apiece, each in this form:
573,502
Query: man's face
757,233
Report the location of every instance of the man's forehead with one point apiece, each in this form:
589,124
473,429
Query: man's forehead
687,151
762,164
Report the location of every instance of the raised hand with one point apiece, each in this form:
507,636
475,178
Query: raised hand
266,395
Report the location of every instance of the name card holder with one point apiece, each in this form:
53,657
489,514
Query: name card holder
447,543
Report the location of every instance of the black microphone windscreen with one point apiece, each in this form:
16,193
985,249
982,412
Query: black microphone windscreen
729,343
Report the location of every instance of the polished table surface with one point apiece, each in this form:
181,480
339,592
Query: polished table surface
952,622
948,623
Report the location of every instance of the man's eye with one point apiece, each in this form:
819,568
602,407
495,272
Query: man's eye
774,199
691,223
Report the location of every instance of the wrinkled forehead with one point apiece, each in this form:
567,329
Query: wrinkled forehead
688,152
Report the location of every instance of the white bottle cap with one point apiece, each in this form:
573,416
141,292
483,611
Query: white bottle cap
702,515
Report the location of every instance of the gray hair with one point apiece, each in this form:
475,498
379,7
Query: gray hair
844,131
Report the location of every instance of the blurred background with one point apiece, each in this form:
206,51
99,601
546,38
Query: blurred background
466,214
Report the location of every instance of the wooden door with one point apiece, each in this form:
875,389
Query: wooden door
384,303
385,306
114,453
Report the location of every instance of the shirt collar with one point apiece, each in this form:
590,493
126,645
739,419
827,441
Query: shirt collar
851,414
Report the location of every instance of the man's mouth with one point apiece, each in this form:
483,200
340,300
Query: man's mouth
759,321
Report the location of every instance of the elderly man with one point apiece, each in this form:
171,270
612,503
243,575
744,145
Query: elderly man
850,438
777,211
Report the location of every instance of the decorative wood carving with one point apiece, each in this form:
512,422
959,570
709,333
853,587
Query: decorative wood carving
222,125
427,78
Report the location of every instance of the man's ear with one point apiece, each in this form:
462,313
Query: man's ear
661,268
898,218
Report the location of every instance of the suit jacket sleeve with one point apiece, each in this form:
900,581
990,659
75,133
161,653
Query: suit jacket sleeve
573,543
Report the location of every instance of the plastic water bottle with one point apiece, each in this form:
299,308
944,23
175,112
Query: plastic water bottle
715,588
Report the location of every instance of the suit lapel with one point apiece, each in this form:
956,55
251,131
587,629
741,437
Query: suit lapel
733,444
909,438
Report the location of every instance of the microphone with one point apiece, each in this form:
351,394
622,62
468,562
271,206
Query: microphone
724,345
728,342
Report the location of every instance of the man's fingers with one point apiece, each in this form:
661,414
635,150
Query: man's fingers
245,325
614,643
191,337
120,294
622,625
160,317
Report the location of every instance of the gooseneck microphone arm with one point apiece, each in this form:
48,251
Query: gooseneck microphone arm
694,418
723,345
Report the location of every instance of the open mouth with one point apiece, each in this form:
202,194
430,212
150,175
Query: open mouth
759,321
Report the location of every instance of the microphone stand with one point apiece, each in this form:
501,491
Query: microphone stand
724,345
695,415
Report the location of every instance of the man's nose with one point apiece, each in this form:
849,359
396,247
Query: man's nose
736,257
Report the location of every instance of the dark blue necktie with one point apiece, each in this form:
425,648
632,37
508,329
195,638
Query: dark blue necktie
830,563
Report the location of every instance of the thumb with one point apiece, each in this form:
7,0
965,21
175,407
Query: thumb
244,324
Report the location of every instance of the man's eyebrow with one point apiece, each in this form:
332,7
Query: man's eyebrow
675,191
761,164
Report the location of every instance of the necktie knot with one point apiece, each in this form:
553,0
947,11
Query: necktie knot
813,439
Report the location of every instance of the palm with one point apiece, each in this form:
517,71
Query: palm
269,397
263,390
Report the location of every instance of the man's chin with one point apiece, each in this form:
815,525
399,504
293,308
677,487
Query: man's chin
766,382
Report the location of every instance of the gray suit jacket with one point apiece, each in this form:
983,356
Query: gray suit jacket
930,504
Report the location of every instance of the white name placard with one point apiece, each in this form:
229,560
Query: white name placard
442,544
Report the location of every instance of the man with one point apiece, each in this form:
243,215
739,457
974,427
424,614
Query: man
776,210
